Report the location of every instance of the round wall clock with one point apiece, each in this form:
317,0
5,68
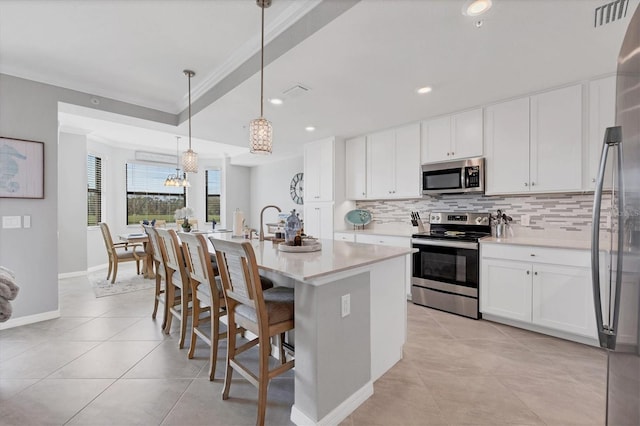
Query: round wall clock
296,189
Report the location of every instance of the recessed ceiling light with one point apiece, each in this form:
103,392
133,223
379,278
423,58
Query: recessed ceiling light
476,7
310,128
276,101
424,90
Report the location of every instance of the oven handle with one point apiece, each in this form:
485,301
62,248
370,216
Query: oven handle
443,243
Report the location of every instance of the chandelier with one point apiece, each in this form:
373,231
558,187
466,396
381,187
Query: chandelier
177,179
190,157
260,130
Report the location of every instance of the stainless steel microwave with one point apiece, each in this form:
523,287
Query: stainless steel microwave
453,177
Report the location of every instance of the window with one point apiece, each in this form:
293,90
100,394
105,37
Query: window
147,197
94,190
213,195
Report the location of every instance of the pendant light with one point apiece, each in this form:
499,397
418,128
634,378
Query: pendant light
176,179
189,157
260,131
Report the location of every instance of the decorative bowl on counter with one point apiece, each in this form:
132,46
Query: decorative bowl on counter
358,217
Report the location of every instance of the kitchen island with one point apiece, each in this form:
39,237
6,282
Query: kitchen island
350,321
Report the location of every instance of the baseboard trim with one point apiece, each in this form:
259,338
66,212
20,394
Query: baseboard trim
339,413
30,319
72,274
97,268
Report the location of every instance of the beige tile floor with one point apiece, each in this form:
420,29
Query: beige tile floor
105,361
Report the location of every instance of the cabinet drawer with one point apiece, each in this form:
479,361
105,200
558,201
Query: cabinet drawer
339,236
384,240
556,256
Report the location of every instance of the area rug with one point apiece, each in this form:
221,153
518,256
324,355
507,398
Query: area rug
127,281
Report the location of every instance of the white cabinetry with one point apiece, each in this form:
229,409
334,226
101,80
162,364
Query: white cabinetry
544,289
452,137
318,171
602,114
390,240
318,220
356,168
535,144
393,167
345,236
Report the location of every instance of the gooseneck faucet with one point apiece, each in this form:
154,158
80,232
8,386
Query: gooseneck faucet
261,237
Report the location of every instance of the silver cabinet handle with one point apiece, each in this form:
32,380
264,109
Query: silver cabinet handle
528,272
607,333
593,179
533,183
364,193
533,255
448,154
526,184
535,273
452,153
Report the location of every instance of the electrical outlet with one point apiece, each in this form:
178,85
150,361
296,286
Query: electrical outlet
525,220
346,305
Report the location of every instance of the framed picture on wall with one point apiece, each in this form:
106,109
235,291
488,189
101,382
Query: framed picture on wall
21,168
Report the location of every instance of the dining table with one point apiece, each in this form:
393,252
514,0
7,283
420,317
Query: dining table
147,261
350,320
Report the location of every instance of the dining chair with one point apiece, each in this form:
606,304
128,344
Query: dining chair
177,303
161,273
266,314
119,252
207,296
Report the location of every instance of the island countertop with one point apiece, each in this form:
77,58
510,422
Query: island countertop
335,256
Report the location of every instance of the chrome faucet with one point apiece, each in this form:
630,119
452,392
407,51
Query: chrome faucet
261,237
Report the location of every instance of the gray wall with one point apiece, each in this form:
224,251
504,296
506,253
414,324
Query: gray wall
29,110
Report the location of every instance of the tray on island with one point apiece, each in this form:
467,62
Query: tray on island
307,246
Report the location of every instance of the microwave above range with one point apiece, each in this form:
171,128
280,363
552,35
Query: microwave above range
453,177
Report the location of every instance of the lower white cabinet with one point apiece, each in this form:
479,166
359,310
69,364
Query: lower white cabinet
547,288
345,236
390,240
318,220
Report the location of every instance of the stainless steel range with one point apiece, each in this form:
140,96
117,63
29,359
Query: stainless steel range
446,269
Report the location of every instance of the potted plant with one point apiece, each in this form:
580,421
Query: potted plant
184,214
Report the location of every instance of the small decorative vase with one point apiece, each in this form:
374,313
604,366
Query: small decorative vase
186,226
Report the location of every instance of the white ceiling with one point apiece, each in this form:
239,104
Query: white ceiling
362,67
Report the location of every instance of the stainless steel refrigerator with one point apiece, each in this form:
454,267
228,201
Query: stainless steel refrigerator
616,286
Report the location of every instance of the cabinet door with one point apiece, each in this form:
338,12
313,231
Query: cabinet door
318,220
602,114
436,140
356,168
381,164
505,289
556,140
407,163
507,147
318,171
563,299
343,236
466,134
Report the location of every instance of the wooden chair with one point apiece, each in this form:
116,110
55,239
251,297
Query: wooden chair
177,305
266,314
119,252
161,273
207,296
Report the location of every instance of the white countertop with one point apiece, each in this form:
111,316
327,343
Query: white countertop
540,242
335,256
386,232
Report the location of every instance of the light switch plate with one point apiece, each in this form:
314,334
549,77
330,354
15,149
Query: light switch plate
346,305
9,222
26,221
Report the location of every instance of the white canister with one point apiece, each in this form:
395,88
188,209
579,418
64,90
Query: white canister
238,223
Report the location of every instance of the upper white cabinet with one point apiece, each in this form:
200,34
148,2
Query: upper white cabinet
452,137
356,168
535,144
602,114
393,166
318,171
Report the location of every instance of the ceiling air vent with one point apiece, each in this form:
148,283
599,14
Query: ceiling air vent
610,12
295,91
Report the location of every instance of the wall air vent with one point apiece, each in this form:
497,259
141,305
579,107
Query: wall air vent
610,12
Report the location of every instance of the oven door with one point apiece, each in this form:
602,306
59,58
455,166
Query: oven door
443,265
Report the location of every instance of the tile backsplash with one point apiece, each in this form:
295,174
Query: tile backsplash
562,212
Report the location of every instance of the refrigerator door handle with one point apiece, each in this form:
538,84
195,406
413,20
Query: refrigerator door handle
606,333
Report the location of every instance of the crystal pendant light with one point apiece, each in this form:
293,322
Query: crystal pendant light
189,157
260,131
177,179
